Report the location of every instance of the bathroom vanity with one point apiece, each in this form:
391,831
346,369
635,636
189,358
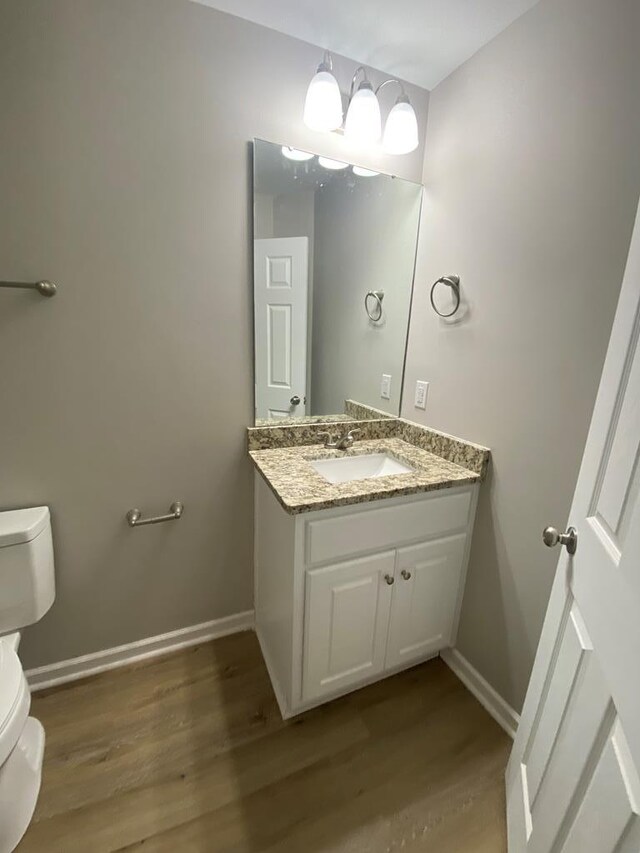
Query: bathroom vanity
359,578
363,520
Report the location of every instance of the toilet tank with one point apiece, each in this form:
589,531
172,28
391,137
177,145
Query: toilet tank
27,584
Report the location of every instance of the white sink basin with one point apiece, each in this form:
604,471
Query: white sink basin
347,468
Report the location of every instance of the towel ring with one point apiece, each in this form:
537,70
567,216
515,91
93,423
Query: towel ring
378,295
452,281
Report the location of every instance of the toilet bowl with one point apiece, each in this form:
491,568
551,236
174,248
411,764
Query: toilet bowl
27,591
21,751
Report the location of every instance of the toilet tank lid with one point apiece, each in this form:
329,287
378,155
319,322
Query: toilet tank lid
22,525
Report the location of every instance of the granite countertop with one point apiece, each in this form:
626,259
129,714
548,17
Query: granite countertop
299,488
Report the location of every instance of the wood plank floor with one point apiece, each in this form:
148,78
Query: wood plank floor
189,753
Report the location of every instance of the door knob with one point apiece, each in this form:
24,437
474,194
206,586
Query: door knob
389,579
551,538
405,574
295,400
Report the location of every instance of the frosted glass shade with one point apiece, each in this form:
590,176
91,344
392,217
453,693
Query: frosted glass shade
401,129
323,105
364,173
363,123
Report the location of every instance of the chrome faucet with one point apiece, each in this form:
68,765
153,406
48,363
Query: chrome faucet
343,443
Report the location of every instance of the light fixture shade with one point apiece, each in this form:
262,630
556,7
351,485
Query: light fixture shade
334,165
401,129
363,123
323,105
364,173
296,154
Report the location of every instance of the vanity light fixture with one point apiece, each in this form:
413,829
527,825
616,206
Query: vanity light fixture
323,104
364,173
334,165
296,154
363,123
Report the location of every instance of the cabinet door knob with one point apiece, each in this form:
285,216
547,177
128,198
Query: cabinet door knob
405,574
389,579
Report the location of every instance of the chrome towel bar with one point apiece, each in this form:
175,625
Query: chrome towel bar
134,516
46,288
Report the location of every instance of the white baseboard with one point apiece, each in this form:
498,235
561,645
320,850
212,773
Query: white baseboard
501,712
151,647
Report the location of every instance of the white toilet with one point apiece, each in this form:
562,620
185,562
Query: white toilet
27,590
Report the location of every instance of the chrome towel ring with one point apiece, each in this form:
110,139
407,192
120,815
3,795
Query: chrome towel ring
452,281
378,295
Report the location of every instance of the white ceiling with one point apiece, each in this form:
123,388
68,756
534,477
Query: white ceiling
421,41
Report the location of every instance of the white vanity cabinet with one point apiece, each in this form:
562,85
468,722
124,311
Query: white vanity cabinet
347,595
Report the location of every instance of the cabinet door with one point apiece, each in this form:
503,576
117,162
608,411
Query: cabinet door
346,623
425,596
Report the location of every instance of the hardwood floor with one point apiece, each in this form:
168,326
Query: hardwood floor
189,753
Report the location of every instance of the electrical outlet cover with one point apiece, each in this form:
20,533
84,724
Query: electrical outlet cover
385,387
420,400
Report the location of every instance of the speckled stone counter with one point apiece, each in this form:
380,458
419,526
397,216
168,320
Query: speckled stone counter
303,420
267,438
299,488
360,412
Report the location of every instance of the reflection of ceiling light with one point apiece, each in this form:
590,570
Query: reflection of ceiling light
401,129
363,123
323,105
364,173
295,154
332,164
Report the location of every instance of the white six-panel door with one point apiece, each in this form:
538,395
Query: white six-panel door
573,784
281,271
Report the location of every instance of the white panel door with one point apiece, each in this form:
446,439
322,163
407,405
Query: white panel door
424,599
281,271
572,781
346,621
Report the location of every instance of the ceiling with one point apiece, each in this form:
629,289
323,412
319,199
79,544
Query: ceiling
421,41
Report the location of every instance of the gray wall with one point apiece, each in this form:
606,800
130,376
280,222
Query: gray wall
532,173
125,177
365,239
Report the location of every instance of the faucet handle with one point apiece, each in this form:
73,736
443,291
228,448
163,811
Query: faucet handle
347,440
328,442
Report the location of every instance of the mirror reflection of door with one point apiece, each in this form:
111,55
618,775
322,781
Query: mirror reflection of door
281,270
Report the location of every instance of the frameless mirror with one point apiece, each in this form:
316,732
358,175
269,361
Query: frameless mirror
334,259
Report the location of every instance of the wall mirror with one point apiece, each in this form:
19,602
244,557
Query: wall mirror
334,260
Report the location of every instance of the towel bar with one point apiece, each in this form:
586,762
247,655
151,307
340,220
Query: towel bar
46,288
134,516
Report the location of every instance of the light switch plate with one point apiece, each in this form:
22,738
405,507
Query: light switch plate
422,389
385,387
